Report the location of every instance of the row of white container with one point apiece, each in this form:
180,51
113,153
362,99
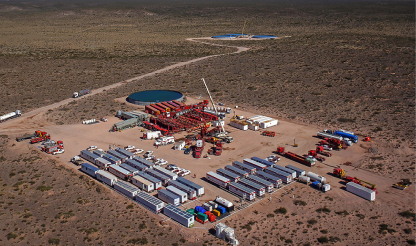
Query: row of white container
133,192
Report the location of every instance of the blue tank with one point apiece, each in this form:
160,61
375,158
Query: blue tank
221,209
199,209
354,138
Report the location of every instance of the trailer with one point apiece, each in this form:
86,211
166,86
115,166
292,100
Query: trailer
81,93
242,191
165,179
125,152
164,171
304,160
120,172
169,197
99,152
276,181
152,203
11,115
262,161
181,194
103,163
120,156
89,169
198,188
345,134
179,215
142,183
189,191
361,191
238,171
316,177
268,185
329,135
106,177
112,159
126,189
151,135
287,170
139,166
89,156
130,123
286,177
259,166
129,168
299,172
260,189
245,167
304,179
229,206
157,184
229,175
143,161
218,179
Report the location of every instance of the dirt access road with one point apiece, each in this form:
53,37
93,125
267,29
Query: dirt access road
35,112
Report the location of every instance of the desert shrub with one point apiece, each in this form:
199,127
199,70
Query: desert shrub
28,215
10,236
324,210
377,129
270,215
142,226
407,214
12,174
411,241
89,230
182,240
384,228
66,215
44,188
299,202
323,239
343,213
324,231
288,241
130,206
346,120
361,216
54,241
280,210
312,221
407,230
141,241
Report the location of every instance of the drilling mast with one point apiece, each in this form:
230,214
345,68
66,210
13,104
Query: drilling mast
223,132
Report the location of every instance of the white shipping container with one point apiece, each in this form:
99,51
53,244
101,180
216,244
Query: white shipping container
164,171
237,125
169,197
361,191
253,127
181,194
89,169
198,188
152,135
241,190
179,215
218,179
260,189
189,191
157,184
268,123
150,202
126,188
119,172
106,177
269,185
142,183
103,163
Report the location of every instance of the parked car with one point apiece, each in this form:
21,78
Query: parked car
171,166
326,147
138,151
130,147
92,148
59,151
150,158
161,161
148,153
185,172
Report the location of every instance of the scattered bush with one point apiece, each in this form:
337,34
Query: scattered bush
346,120
323,240
299,202
407,214
343,213
280,210
66,215
324,231
334,239
54,241
324,209
10,236
361,216
411,241
312,221
288,241
407,230
131,206
44,188
384,228
270,215
141,241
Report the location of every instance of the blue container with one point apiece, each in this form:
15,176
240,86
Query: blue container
221,209
315,184
199,209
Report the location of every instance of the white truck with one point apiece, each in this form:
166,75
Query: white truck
81,93
151,135
165,141
10,115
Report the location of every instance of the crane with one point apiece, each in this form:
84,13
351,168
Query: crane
223,132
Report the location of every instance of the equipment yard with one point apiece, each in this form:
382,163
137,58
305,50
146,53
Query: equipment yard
157,156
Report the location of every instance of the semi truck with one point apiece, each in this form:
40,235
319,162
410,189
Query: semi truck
348,135
81,93
11,115
218,179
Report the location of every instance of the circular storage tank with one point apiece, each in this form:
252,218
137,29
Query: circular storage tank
264,36
154,96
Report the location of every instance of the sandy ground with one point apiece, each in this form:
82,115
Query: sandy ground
246,144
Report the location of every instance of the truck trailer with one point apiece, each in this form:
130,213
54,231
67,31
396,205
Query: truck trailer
157,184
242,191
245,167
229,175
260,189
120,172
276,181
89,169
198,188
11,115
286,177
152,203
180,193
299,171
165,179
169,197
287,170
126,188
179,215
164,171
129,168
106,177
238,171
265,183
136,164
188,190
218,179
259,166
142,183
262,161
